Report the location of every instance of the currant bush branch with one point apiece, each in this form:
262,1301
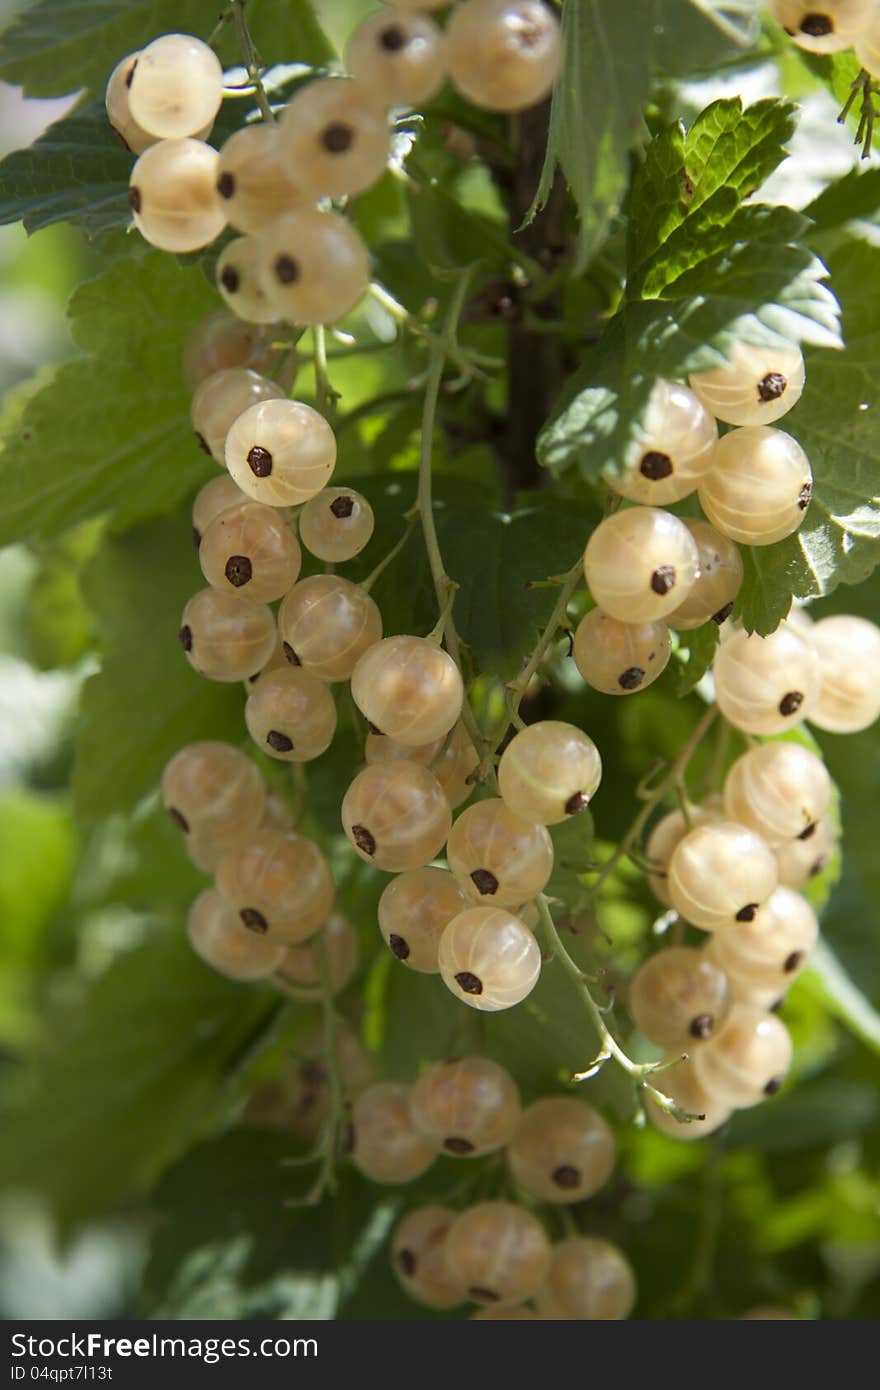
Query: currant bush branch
249,58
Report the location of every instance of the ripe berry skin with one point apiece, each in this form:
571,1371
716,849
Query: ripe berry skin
452,759
678,997
466,1106
315,266
589,1280
498,858
216,935
418,1257
409,688
672,448
334,138
748,1058
402,56
133,136
176,87
334,946
173,198
662,841
281,452
291,715
848,650
867,48
640,564
620,658
238,280
216,497
251,551
801,860
221,398
327,623
279,884
251,182
824,26
489,959
682,1085
756,386
562,1151
222,340
396,816
770,952
549,772
504,55
720,874
765,685
759,486
414,910
226,638
498,1253
336,524
211,788
779,790
718,583
387,1146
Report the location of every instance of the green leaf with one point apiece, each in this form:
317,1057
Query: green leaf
855,195
143,1067
110,434
695,654
829,982
572,845
146,701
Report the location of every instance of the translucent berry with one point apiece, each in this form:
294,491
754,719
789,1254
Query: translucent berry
222,340
408,688
216,497
238,279
662,841
504,55
336,524
867,47
801,860
549,772
277,662
253,185
718,583
414,910
279,884
133,136
250,550
400,56
172,195
825,26
327,623
452,759
680,1084
562,1151
333,949
770,952
334,137
396,816
765,685
281,452
671,448
489,959
499,858
756,386
848,650
747,1059
315,266
720,874
678,997
216,935
213,789
779,790
291,715
176,87
590,1280
387,1146
226,638
466,1106
220,398
619,658
759,486
498,1253
418,1257
640,564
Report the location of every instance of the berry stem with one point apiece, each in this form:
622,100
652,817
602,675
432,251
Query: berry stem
249,59
325,395
392,554
517,689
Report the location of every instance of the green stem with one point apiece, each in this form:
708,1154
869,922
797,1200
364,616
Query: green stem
391,556
249,59
517,689
325,396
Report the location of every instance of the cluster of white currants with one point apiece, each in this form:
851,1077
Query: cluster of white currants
830,26
297,259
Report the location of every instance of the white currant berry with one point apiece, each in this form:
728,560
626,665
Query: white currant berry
281,452
387,1146
549,772
280,885
489,959
504,55
765,685
238,279
224,637
498,857
663,839
681,1084
327,623
402,56
172,195
589,1280
618,658
452,759
250,550
278,814
291,715
671,448
801,860
640,563
219,938
252,182
220,398
315,266
334,137
418,1257
396,816
414,910
825,26
720,874
848,651
213,789
768,953
277,662
216,497
336,524
176,87
333,949
759,486
221,340
747,1059
867,46
133,136
718,583
409,688
756,385
779,790
562,1151
679,996
466,1106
